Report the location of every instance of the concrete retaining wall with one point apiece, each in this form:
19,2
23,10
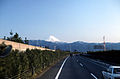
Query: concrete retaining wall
20,46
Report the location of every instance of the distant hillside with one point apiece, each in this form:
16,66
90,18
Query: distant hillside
75,46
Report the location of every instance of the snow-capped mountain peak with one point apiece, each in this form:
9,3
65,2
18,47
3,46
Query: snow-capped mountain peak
53,39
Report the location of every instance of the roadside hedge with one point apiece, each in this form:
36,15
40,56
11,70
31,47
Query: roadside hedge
112,57
26,65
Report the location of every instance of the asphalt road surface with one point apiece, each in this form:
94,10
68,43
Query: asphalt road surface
75,67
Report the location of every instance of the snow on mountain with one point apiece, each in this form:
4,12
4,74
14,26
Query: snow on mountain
53,39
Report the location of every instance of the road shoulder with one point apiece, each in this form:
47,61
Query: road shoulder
51,72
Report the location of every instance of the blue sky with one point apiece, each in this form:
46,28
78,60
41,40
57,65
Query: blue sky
68,20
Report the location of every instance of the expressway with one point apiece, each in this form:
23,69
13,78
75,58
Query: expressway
75,67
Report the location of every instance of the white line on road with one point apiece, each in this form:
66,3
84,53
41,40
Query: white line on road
61,68
81,64
77,60
99,65
94,76
94,62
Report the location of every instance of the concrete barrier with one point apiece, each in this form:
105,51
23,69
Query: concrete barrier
20,46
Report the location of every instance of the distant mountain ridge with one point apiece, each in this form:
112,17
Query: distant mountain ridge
75,46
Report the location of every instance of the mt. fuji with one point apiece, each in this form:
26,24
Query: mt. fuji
53,39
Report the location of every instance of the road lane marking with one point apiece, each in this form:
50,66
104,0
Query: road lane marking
93,62
61,68
99,62
94,76
77,60
81,64
99,65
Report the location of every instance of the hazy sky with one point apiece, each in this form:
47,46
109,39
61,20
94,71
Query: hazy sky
68,20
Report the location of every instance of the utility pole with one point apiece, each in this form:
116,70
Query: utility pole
11,33
39,43
55,48
70,48
36,44
104,43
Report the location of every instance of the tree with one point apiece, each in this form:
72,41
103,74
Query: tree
75,50
47,47
15,38
11,33
26,41
16,35
4,37
3,46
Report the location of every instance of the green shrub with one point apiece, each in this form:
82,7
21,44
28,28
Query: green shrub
28,62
